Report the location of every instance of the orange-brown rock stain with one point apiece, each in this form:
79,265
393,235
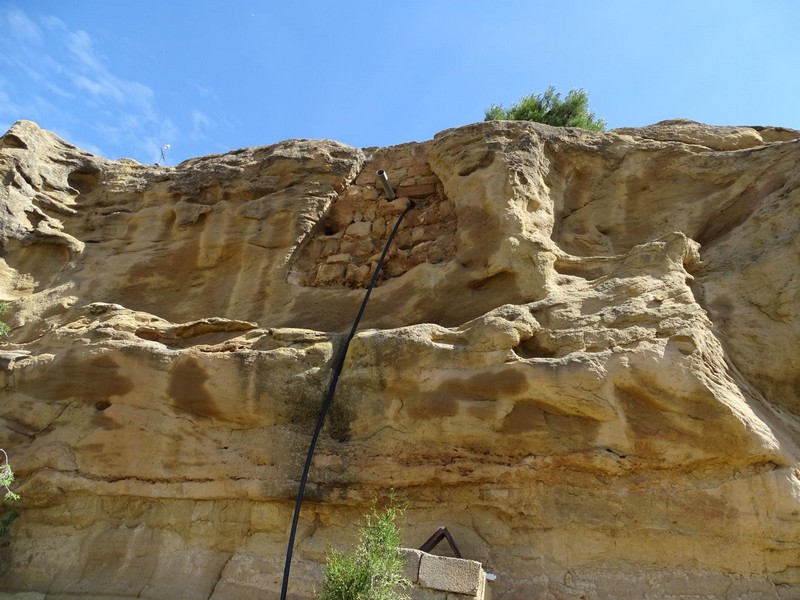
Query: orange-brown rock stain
474,395
188,390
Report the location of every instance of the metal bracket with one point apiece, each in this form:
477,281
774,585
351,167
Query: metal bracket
438,536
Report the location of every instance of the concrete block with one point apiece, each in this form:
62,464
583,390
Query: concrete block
411,569
450,574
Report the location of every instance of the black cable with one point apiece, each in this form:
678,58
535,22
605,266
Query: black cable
337,370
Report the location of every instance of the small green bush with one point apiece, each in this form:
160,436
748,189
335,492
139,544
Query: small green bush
373,569
7,517
4,328
7,478
549,108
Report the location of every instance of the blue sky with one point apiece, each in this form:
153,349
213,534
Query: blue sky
122,79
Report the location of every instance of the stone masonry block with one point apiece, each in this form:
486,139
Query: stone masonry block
418,593
450,574
416,191
360,229
411,569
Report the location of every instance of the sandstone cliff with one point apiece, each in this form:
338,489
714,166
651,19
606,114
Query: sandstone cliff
582,359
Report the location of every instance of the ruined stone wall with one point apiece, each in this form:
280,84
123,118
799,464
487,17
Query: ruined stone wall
346,246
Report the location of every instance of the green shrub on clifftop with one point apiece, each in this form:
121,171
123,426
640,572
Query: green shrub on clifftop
549,108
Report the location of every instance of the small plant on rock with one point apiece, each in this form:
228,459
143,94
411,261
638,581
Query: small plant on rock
7,478
7,519
373,569
4,328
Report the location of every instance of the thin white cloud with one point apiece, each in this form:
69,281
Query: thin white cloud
12,110
8,108
97,80
52,23
79,43
59,72
202,89
97,88
20,27
200,122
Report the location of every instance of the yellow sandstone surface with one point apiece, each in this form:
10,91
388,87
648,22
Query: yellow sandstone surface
582,358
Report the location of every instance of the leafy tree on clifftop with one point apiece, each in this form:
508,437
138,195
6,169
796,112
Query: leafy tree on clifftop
549,108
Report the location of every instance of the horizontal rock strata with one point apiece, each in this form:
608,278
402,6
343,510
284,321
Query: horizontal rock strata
582,358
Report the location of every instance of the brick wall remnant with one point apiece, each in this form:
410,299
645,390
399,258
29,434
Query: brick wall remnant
347,244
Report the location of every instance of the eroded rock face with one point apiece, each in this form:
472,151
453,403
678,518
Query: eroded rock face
582,358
